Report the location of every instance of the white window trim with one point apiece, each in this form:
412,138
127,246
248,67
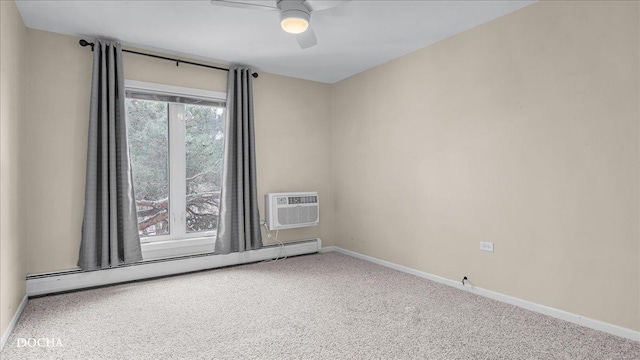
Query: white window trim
155,247
175,90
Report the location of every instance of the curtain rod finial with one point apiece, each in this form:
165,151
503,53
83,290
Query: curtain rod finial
84,43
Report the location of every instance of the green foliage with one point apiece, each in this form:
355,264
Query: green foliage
148,131
204,126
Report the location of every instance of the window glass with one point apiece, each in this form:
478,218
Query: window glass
176,145
204,144
148,123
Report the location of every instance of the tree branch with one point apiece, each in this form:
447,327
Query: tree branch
155,204
154,220
199,174
150,212
206,194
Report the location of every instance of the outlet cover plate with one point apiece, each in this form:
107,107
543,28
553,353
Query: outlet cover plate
486,246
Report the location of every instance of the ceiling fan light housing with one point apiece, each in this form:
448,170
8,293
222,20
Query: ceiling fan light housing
294,21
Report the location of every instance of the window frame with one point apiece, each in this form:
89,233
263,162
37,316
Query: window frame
178,241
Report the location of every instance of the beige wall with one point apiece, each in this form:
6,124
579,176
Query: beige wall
13,36
293,126
58,86
523,132
293,144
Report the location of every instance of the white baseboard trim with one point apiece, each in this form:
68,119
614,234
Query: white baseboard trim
13,321
542,309
75,280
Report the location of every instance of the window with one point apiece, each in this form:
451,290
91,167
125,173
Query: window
176,142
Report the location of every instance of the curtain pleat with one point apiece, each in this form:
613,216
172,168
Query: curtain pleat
239,223
110,224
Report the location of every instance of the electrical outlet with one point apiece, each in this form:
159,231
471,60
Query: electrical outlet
486,246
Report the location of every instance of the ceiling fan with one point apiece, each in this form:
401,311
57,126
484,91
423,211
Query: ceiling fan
295,15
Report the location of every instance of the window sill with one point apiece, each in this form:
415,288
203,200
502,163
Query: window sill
172,248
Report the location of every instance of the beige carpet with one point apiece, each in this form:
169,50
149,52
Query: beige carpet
325,306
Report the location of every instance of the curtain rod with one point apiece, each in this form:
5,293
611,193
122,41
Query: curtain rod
85,43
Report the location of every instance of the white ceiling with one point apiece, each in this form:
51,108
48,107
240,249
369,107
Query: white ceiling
351,38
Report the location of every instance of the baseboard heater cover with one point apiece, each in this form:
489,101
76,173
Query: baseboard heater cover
58,282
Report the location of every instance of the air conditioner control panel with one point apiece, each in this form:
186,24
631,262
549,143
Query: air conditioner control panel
292,200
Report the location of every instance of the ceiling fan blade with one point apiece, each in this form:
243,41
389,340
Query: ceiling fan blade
317,5
307,39
244,5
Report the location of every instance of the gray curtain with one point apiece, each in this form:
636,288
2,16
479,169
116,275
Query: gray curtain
110,224
239,223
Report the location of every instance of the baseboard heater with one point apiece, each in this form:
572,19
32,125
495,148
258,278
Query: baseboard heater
46,284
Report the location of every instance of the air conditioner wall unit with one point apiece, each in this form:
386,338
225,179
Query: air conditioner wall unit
292,210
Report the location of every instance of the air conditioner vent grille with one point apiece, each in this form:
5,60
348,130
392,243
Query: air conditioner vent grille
292,210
